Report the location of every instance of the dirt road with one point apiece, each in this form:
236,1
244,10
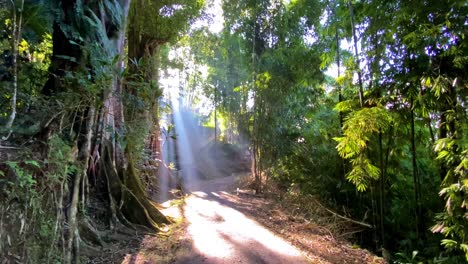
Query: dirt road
222,234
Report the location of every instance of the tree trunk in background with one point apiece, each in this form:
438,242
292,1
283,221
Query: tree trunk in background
382,190
356,54
416,181
16,38
339,88
257,50
215,115
62,51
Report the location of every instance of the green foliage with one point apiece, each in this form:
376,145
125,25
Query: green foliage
31,77
25,178
60,160
28,202
162,21
453,222
312,164
358,129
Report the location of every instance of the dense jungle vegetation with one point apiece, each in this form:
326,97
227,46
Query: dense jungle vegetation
360,103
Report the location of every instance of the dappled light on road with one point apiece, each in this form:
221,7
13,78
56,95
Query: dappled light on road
224,235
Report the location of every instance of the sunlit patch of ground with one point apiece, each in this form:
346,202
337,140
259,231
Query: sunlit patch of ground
168,246
224,235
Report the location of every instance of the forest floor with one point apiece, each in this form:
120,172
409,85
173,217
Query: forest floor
219,223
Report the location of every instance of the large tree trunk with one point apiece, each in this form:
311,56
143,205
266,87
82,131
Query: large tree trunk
143,54
117,176
134,203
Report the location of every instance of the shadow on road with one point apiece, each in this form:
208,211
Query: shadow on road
222,234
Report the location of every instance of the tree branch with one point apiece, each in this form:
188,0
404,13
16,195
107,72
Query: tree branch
343,217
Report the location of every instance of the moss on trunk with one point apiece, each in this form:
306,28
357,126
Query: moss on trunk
127,196
135,195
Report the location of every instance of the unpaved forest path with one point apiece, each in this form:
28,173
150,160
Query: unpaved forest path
222,234
219,225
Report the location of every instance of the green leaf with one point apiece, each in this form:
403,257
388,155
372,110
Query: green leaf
72,59
33,163
464,247
12,164
74,43
344,106
449,243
